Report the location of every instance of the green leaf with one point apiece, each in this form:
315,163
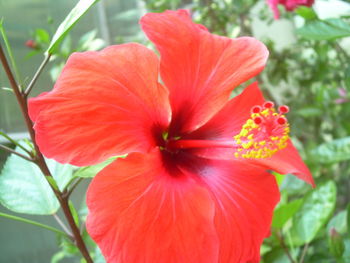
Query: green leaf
128,15
86,38
6,89
24,189
98,257
56,71
278,255
333,151
293,185
74,212
336,244
317,207
348,216
91,171
279,178
83,211
58,257
42,36
309,112
338,222
325,29
66,46
347,77
346,255
283,213
306,12
34,223
75,14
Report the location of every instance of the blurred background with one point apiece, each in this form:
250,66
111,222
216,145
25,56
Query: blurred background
308,70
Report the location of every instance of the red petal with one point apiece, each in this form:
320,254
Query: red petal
200,69
245,198
138,212
229,120
287,161
104,103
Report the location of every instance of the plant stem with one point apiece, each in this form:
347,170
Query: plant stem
24,220
15,143
37,74
3,147
283,245
9,50
70,191
59,221
40,161
303,254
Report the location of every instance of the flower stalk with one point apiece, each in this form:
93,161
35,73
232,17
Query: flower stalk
188,144
3,147
36,75
39,160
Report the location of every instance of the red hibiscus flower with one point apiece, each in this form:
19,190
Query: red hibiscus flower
290,5
194,187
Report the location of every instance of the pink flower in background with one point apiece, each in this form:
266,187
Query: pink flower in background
290,5
343,96
31,44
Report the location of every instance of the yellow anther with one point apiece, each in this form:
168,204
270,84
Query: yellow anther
262,135
247,145
243,132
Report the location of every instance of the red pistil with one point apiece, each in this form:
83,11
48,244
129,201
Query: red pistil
281,120
283,109
188,144
258,120
268,104
256,109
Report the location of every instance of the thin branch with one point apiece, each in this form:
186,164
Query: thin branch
24,220
303,254
15,143
59,221
40,161
23,106
36,75
8,149
9,50
285,248
76,183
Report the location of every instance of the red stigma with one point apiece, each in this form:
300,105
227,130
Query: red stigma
256,109
258,120
283,109
281,120
268,104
